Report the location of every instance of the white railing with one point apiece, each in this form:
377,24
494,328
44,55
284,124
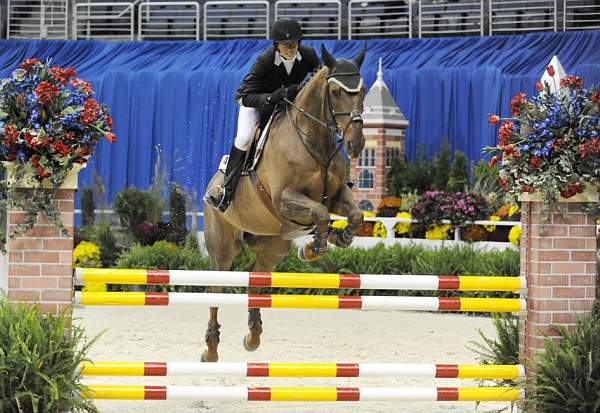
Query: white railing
43,19
169,20
462,18
522,16
379,18
236,19
581,15
109,21
322,19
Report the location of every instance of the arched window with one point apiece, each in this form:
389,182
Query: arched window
365,179
365,205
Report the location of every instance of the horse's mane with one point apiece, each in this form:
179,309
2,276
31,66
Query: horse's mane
314,77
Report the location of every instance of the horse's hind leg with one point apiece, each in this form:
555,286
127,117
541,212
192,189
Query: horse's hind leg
223,245
269,251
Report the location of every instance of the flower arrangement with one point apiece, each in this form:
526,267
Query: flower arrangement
403,227
551,143
49,122
458,208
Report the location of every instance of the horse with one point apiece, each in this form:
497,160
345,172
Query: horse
299,180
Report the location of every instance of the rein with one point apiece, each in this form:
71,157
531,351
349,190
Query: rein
337,134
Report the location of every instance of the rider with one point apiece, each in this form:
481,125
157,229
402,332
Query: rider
275,75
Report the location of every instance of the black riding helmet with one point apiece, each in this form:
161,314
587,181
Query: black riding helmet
286,31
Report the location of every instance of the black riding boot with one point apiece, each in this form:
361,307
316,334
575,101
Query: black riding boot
221,196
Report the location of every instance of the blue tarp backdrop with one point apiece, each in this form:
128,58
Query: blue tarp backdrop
176,97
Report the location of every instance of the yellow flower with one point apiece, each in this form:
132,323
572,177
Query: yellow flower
514,236
514,209
339,223
94,287
379,230
369,214
403,227
492,228
86,252
438,232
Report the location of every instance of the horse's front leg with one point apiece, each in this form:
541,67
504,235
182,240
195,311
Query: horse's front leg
212,332
296,206
346,206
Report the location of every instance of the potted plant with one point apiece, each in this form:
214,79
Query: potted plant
50,124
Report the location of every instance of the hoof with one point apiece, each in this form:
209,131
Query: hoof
306,254
250,347
207,358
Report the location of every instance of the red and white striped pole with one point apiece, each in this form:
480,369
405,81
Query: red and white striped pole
458,371
299,280
303,301
302,394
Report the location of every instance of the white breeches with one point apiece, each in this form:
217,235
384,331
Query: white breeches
246,121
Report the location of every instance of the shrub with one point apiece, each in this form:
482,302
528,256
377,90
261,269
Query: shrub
163,255
134,206
568,372
458,180
87,206
38,362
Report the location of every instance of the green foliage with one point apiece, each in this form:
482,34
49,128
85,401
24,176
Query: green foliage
135,206
87,206
458,180
410,176
39,363
441,165
177,206
568,372
163,255
485,183
102,235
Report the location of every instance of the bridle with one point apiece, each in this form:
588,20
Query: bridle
337,133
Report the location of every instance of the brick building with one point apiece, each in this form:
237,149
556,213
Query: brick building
385,133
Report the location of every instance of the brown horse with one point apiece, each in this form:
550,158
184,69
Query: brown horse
302,176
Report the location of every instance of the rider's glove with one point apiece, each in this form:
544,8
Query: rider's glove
277,96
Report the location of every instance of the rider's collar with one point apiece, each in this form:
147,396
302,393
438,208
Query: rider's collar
279,59
349,83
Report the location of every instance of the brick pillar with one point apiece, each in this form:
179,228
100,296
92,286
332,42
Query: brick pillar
40,261
558,257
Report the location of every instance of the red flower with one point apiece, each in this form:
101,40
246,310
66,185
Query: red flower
590,148
535,162
493,161
109,122
596,97
503,183
28,63
62,75
516,102
111,137
558,144
551,70
539,85
527,188
508,149
35,159
90,112
41,172
493,119
504,132
571,81
46,92
61,148
10,134
83,85
573,189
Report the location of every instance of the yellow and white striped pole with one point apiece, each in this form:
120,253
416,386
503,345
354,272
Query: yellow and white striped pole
458,371
303,301
299,280
302,394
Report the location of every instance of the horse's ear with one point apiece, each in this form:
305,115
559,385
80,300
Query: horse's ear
328,59
361,56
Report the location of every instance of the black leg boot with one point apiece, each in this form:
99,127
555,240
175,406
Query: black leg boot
220,197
